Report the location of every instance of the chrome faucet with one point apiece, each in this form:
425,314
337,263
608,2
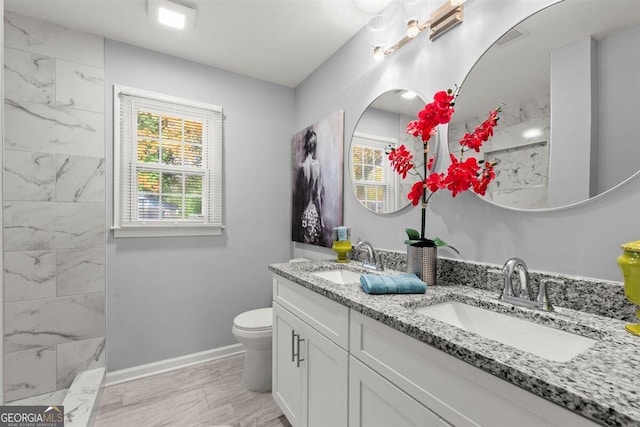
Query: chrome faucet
522,296
372,261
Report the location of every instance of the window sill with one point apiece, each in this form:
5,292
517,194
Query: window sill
168,231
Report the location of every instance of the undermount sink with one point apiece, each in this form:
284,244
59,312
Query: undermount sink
543,341
341,277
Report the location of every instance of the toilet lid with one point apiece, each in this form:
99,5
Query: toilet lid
255,320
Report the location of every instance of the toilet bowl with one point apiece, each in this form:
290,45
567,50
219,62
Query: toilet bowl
253,329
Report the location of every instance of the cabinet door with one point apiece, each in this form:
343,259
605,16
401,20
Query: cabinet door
327,381
374,401
287,377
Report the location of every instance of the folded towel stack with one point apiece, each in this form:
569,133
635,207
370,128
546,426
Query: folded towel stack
403,283
341,234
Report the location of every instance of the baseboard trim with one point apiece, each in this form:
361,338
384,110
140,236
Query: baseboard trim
155,368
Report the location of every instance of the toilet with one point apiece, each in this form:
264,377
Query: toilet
253,329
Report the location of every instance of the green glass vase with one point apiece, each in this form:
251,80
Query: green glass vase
342,248
629,263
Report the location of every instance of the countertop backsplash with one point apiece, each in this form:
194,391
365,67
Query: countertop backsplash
602,297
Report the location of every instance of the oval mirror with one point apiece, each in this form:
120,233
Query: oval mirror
384,122
568,81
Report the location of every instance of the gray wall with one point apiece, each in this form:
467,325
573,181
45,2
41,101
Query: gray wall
168,297
583,240
619,68
572,121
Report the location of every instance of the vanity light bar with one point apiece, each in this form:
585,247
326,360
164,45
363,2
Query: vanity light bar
447,16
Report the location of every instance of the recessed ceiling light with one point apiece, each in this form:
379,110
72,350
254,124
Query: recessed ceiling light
171,14
171,18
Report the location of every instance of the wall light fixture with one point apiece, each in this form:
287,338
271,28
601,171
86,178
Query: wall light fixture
440,21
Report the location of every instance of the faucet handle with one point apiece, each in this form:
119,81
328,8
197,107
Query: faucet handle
379,264
543,296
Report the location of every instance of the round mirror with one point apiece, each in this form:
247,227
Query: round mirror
568,81
382,125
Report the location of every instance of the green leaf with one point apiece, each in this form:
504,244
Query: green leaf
412,234
411,241
439,242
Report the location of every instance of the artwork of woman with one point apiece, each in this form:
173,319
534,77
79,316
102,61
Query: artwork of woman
317,181
309,192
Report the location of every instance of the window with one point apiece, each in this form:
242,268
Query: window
168,165
373,181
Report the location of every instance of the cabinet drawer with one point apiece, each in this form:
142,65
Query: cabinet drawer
460,393
327,317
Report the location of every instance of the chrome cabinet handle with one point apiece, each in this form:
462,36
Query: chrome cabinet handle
293,345
298,353
295,348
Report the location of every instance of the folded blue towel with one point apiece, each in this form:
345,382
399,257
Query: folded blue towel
403,283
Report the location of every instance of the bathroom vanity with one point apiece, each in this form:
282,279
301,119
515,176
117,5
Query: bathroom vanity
342,357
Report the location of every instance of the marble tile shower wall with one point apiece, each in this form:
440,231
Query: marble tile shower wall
54,206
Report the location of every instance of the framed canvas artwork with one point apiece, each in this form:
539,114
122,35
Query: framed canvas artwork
317,181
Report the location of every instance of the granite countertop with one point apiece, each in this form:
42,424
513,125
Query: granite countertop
600,383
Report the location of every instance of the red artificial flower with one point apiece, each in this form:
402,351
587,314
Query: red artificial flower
461,175
401,160
415,195
430,163
480,185
481,133
435,181
436,113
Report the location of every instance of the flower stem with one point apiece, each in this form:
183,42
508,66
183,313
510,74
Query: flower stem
425,153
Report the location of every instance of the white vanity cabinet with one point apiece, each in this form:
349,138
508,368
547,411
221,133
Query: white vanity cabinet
335,367
449,390
310,359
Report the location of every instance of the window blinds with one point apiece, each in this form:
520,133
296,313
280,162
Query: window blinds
169,156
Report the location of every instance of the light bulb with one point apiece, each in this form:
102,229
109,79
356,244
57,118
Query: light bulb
378,53
412,28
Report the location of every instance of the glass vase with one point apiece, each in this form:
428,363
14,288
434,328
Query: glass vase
629,263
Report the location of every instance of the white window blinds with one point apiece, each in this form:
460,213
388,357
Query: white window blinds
168,174
374,182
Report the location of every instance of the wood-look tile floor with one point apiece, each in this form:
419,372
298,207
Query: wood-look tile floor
208,394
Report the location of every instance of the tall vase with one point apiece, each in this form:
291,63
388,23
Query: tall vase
423,262
629,263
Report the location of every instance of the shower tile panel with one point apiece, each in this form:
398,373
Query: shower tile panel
54,204
28,176
79,86
50,129
79,179
78,356
28,76
29,372
38,323
80,271
44,225
21,32
29,275
49,398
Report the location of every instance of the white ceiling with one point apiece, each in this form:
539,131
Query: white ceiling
280,41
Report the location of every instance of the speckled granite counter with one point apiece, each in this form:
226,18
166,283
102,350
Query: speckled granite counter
600,383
